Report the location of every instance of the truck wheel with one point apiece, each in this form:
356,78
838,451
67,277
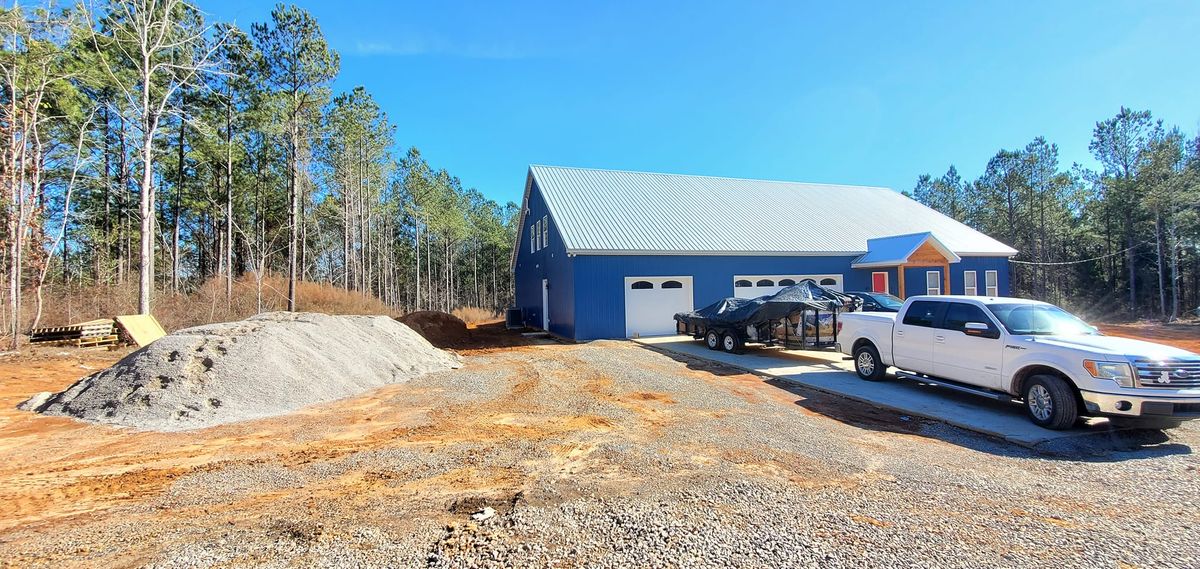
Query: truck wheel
731,343
867,363
1050,402
713,340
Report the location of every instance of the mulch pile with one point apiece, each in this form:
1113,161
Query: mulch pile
440,329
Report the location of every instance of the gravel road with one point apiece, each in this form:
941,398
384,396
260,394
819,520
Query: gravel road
612,455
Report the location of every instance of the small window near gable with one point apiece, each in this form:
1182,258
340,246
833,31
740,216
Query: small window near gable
970,285
828,282
743,283
537,234
786,282
991,280
545,231
672,284
765,282
641,285
532,240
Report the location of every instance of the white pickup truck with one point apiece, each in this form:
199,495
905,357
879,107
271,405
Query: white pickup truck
1023,350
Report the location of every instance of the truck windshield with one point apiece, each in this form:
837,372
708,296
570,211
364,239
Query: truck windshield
1039,319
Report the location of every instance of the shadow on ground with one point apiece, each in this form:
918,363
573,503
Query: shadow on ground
1094,441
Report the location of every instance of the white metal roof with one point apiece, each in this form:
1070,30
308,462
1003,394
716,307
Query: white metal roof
895,250
620,212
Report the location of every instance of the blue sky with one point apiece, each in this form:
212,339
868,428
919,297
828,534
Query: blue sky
873,93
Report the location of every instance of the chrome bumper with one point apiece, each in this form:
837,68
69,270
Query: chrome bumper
1137,406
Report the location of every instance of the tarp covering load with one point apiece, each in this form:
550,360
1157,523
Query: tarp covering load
740,312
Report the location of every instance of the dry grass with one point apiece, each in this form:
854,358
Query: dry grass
474,314
207,304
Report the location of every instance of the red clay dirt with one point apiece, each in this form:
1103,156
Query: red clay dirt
1183,336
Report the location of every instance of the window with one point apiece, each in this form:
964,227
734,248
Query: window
537,232
958,314
991,279
532,240
786,282
545,230
765,282
922,313
641,285
933,282
970,287
828,282
743,284
672,284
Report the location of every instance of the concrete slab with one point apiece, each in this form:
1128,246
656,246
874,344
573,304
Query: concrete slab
827,372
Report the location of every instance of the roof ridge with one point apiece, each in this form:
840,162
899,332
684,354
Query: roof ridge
618,170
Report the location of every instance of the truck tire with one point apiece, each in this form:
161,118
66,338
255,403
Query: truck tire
731,343
867,364
713,340
1050,402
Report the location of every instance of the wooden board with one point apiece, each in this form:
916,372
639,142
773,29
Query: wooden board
141,328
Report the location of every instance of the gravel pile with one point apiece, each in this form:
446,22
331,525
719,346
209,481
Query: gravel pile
266,365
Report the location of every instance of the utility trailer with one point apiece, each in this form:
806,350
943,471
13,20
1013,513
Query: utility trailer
802,316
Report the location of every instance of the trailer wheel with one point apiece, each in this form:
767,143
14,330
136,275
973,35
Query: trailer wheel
713,340
731,343
867,363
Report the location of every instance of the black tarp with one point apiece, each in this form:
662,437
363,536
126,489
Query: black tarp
739,312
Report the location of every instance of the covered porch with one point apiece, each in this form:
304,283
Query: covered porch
902,252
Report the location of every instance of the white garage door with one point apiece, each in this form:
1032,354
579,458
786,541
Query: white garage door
651,304
754,286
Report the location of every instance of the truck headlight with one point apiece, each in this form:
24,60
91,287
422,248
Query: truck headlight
1118,372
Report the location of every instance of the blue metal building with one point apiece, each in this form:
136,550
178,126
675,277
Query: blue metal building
615,254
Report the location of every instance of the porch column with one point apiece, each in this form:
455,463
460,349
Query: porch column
946,273
900,279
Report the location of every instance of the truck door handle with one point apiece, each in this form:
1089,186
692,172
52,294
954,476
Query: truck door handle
940,338
900,332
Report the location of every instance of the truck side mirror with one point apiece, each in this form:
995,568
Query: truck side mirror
978,329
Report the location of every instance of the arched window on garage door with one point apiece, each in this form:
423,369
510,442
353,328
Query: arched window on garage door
743,283
641,285
786,282
828,282
672,284
765,282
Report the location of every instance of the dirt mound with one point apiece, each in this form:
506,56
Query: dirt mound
441,329
266,365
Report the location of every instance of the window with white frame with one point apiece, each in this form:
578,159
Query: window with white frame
545,230
970,285
991,279
532,240
537,234
933,282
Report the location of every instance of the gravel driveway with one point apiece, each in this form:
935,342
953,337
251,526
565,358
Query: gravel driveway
612,455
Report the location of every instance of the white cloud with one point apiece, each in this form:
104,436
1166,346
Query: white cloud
435,46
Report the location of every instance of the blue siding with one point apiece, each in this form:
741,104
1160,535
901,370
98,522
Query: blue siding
979,265
600,281
552,263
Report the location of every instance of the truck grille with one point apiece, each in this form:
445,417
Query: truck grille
1170,374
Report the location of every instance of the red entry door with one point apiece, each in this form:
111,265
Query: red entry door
879,282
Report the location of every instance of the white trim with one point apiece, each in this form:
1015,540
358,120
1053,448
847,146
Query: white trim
938,279
623,252
887,285
546,230
989,288
974,289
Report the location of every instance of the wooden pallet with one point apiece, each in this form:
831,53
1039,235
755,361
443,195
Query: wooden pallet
91,329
